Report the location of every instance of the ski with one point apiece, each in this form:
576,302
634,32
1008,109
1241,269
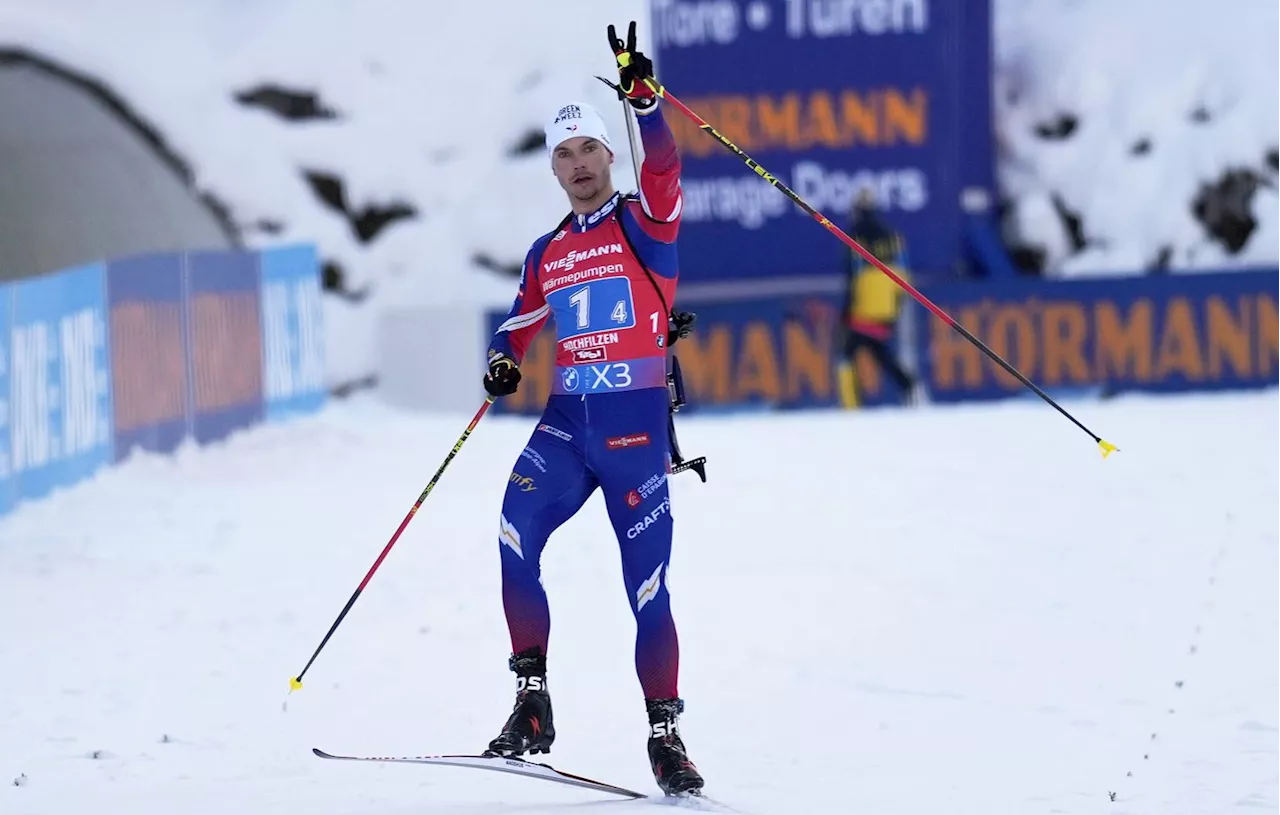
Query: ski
502,764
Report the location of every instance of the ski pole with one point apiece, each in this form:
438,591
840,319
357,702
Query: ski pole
1106,447
295,683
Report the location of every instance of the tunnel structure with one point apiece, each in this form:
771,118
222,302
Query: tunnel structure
83,178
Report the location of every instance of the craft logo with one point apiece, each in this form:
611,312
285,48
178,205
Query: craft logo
621,442
650,519
568,112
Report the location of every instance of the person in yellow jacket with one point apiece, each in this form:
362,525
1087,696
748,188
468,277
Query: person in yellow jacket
872,304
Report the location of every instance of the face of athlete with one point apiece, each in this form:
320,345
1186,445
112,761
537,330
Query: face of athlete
581,165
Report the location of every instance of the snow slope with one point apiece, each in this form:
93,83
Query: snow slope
973,614
1166,97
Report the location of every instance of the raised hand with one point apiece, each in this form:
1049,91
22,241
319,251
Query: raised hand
634,68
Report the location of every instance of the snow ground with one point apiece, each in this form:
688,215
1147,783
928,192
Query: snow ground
973,614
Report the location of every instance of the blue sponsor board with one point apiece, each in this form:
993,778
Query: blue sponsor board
1163,334
293,361
225,342
893,96
60,403
149,367
148,351
8,484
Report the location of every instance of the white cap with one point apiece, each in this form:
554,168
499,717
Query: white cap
573,120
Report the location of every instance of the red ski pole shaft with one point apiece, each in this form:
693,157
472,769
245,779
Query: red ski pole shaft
295,683
1106,447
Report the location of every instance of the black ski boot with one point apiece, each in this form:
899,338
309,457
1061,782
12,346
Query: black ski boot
529,728
672,768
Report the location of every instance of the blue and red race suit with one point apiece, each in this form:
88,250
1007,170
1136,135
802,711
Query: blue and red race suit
608,278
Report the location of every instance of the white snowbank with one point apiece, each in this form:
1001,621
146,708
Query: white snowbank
1134,70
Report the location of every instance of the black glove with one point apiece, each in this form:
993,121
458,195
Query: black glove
633,69
503,376
680,325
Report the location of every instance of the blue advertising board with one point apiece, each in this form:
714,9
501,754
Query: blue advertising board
146,352
8,484
831,98
222,304
293,339
1161,334
60,400
149,333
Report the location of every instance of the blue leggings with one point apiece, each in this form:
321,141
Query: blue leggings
618,442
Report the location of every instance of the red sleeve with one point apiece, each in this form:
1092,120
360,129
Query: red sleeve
527,314
659,178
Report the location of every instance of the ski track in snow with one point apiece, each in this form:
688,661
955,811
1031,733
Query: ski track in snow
959,610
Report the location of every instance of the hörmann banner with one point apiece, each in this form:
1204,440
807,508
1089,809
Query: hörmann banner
830,96
1151,334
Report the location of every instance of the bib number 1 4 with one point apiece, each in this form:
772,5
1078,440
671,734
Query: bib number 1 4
602,305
